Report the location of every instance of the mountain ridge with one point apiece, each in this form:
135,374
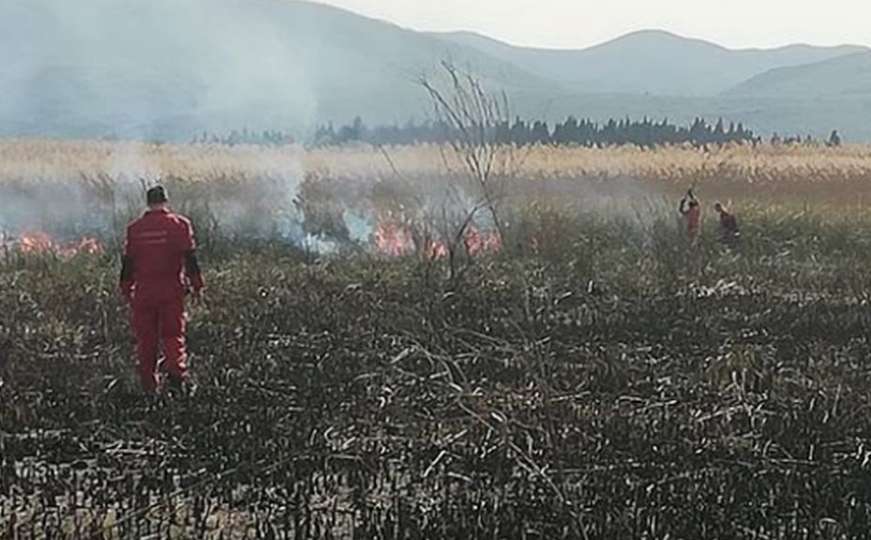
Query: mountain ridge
652,61
842,76
219,64
653,32
168,70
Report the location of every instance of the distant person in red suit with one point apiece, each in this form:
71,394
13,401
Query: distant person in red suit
729,232
159,268
691,211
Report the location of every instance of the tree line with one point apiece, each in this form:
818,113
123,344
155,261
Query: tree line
584,132
244,136
644,133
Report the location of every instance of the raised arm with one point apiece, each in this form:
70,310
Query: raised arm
683,206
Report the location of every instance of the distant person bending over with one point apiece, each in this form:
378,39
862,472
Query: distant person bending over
729,232
159,267
691,211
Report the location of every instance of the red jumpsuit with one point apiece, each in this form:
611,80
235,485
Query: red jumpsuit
694,221
158,267
728,223
729,232
692,213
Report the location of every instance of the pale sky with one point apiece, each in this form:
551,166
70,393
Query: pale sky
580,23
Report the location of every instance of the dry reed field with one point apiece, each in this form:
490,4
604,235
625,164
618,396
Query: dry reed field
591,375
783,168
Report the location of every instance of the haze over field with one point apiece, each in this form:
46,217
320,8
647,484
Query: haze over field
168,69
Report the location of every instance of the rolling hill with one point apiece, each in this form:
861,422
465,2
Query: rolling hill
169,69
154,68
843,77
651,62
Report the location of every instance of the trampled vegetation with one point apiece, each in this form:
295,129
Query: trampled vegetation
594,377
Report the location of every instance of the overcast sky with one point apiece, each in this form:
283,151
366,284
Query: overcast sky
580,23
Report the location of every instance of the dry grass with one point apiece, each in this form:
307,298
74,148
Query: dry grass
842,174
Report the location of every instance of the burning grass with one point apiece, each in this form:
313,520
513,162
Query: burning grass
589,375
40,243
602,391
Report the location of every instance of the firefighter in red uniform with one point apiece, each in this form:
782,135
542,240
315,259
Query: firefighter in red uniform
691,210
729,233
159,267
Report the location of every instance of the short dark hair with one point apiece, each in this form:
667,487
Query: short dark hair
156,195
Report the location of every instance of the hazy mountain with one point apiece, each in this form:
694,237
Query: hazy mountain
844,77
173,68
160,67
653,62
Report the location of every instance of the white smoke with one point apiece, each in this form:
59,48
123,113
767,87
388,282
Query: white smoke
146,69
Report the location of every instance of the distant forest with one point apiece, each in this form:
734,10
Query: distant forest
643,133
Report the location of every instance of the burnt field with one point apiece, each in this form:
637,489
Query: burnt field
591,376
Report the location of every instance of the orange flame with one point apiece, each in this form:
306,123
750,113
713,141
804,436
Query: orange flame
85,246
41,243
394,239
479,243
37,242
438,250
